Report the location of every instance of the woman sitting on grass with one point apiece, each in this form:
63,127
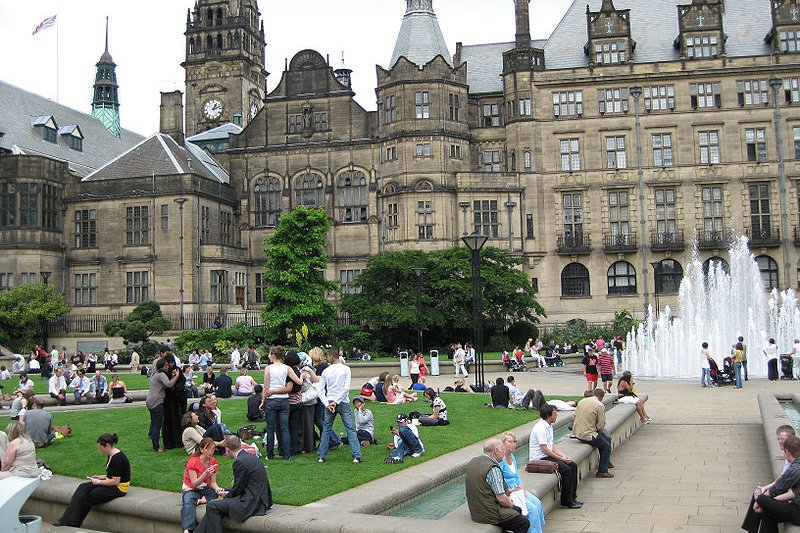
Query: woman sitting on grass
19,458
439,415
99,489
395,393
199,482
245,384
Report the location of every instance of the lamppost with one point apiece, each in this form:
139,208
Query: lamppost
180,202
636,92
475,242
220,278
776,83
464,206
418,273
45,276
656,265
510,205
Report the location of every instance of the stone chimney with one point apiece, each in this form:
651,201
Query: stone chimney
171,119
521,9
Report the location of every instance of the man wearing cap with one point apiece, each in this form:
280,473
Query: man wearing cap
365,422
406,441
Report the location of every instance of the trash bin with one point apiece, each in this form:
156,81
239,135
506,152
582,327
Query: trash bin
434,356
404,364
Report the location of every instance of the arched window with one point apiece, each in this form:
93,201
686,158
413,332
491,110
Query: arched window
669,274
210,18
513,161
309,190
714,263
219,17
191,45
769,271
621,278
575,280
267,197
209,42
219,41
351,195
526,159
230,40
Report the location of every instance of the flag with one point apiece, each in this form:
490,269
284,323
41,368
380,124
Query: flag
46,23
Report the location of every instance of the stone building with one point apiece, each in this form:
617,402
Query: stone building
599,155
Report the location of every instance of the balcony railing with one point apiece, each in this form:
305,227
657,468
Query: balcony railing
574,244
765,237
620,242
667,240
714,239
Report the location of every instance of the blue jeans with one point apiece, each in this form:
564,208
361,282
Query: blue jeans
409,443
276,411
737,370
319,422
706,377
603,444
156,423
189,506
343,409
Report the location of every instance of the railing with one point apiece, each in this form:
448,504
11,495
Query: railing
667,240
765,237
714,239
620,242
574,244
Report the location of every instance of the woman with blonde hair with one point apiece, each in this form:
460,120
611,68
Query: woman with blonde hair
519,496
119,391
19,458
395,393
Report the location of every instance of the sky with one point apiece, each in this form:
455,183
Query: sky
146,42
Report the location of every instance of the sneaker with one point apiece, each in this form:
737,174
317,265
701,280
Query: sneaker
356,460
321,460
416,455
392,460
606,475
649,419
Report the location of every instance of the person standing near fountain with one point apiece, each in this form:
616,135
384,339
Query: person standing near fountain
770,351
738,354
744,356
705,367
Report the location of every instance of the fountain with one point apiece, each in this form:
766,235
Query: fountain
716,308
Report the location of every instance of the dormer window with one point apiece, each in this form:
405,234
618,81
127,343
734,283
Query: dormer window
701,46
609,53
788,40
49,134
48,127
73,137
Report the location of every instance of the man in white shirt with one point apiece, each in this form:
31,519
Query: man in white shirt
236,358
57,387
406,441
770,352
542,448
4,373
335,397
80,385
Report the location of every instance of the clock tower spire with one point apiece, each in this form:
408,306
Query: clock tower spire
105,98
225,63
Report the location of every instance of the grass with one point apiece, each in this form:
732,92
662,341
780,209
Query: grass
294,482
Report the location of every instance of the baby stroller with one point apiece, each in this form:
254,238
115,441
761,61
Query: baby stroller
787,366
724,377
553,358
518,365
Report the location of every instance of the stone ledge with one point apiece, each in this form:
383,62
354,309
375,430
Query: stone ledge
772,416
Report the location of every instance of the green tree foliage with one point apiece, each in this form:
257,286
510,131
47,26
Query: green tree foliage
240,335
295,274
387,300
144,321
25,310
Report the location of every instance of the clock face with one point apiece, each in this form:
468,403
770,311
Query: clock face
212,109
253,110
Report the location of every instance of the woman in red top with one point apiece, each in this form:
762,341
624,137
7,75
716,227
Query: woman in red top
423,368
199,482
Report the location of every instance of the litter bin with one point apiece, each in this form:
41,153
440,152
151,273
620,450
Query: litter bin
404,364
434,356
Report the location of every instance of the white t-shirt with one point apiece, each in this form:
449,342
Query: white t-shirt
542,433
27,385
704,360
438,402
5,374
413,367
771,351
561,405
458,356
415,431
516,395
33,364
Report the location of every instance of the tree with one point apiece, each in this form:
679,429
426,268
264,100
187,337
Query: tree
296,287
23,312
144,321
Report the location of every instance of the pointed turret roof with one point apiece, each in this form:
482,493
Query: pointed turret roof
420,38
106,57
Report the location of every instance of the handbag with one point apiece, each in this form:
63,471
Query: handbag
538,466
310,392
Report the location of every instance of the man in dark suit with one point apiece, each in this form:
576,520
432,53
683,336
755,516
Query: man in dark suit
249,496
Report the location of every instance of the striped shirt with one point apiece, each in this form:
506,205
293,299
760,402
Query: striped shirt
789,480
606,363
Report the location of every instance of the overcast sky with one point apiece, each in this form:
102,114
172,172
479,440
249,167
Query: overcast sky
147,43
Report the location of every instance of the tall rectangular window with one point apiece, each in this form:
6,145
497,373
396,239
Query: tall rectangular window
701,46
391,153
616,155
86,228
486,218
455,151
455,107
28,204
568,104
609,53
705,95
529,226
28,278
423,149
226,227
491,160
573,217
50,195
422,104
391,109
791,90
618,213
137,225
612,100
756,143
525,107
294,123
526,159
136,287
347,280
796,137
662,149
708,142
666,221
6,281
392,217
759,210
752,92
425,232
659,98
261,287
219,287
321,121
164,216
713,215
424,206
789,40
491,115
570,154
8,205
85,289
205,224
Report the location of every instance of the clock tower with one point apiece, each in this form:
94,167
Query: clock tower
225,73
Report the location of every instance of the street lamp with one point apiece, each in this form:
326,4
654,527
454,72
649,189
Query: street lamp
418,273
45,276
475,242
775,84
656,265
510,205
464,206
180,202
220,278
636,92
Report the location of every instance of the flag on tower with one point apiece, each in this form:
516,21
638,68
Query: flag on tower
43,25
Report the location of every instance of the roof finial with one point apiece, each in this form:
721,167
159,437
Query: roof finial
343,64
106,33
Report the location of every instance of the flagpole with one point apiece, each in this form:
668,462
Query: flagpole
57,60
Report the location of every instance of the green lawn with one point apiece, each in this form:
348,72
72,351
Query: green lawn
294,482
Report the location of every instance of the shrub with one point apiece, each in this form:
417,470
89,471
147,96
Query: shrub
520,332
498,343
